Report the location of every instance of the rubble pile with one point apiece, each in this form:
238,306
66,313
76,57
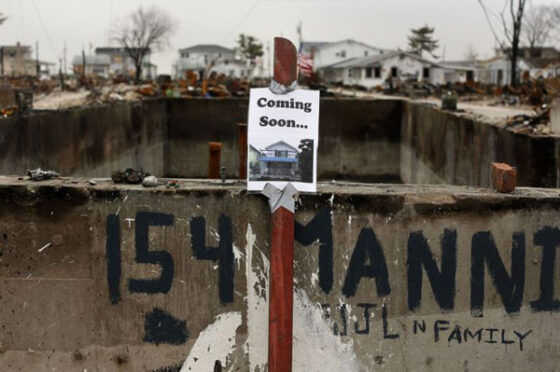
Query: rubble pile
531,124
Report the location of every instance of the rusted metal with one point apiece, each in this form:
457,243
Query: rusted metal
280,322
285,61
215,152
242,145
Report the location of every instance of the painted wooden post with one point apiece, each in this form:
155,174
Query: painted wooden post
280,322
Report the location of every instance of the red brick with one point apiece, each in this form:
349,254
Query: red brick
504,177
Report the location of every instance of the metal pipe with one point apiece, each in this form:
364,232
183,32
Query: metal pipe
215,151
242,144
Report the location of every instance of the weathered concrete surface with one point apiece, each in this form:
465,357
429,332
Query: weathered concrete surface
68,302
359,139
444,147
91,141
380,140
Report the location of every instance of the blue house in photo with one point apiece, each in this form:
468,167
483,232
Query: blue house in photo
278,161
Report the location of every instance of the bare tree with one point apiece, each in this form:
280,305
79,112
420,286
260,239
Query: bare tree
470,53
511,24
555,20
143,32
537,26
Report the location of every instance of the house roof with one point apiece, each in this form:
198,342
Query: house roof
8,48
114,50
541,62
103,59
375,60
282,143
306,46
207,48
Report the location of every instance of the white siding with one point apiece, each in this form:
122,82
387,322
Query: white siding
408,68
338,52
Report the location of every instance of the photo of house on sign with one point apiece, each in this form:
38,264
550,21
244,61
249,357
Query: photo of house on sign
281,161
283,135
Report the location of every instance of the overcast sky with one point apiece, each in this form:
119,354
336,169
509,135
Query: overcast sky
381,23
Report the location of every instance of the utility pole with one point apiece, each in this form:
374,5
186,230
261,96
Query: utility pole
269,58
64,53
84,66
299,32
37,66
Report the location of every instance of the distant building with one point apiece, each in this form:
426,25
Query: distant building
391,66
531,64
329,53
17,60
95,65
198,58
112,62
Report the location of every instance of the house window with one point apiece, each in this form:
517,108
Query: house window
426,72
369,72
219,55
394,72
281,154
349,72
206,59
377,72
365,53
342,54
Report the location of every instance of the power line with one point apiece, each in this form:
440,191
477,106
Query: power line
243,18
53,49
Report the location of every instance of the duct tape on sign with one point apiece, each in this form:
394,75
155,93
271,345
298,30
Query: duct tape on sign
283,135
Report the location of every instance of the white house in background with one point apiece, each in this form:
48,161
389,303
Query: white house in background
376,70
199,57
460,71
122,65
329,53
95,65
532,64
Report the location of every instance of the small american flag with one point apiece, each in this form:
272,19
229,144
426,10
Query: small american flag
305,64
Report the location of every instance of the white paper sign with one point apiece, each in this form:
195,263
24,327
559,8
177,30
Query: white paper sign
283,135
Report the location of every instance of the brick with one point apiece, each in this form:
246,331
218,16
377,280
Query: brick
504,177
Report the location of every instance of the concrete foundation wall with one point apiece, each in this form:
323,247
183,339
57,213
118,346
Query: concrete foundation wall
91,141
404,278
358,139
443,147
362,140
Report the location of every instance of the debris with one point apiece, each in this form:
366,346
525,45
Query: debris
150,181
41,175
223,174
130,176
92,182
44,247
449,101
172,184
504,177
527,124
